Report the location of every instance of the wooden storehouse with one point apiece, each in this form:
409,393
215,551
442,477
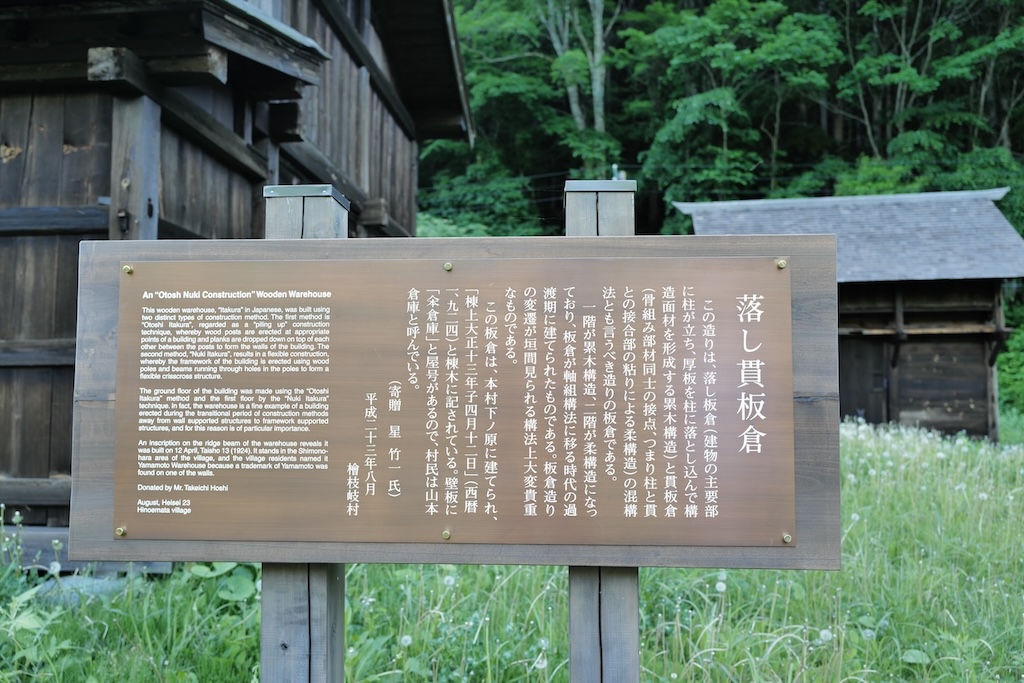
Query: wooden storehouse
146,119
920,280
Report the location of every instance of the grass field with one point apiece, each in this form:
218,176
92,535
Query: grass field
931,588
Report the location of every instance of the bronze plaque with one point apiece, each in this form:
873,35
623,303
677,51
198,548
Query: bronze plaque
608,401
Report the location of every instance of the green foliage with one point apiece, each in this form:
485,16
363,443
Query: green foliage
725,76
572,68
875,176
429,225
929,590
733,99
1010,366
199,624
486,194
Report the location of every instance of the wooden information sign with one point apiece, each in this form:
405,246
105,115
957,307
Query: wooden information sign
609,401
583,401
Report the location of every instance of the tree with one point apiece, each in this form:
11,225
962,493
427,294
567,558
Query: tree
578,33
724,77
726,99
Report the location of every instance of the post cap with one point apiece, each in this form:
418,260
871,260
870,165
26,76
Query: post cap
307,191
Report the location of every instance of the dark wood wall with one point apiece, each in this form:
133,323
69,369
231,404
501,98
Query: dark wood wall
54,166
60,176
921,353
347,117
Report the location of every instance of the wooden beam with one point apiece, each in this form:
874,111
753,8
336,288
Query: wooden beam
921,330
259,37
22,353
321,169
123,72
134,169
52,220
57,73
210,67
35,491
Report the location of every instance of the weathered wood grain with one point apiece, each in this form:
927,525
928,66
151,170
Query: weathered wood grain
135,169
306,605
15,122
595,209
35,490
121,71
52,220
585,624
815,400
85,153
37,352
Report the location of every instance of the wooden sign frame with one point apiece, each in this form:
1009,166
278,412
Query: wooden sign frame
815,403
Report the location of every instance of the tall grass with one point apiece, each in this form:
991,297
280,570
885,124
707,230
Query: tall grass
931,588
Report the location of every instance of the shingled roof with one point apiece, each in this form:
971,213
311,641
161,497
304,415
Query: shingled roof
926,236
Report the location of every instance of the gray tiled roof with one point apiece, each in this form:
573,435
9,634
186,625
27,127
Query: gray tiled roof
926,236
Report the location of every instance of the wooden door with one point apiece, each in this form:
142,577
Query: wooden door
864,378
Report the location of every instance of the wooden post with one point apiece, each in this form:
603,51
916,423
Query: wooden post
302,635
604,602
305,212
135,169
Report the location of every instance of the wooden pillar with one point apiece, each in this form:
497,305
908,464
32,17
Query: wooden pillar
305,212
135,169
302,635
604,602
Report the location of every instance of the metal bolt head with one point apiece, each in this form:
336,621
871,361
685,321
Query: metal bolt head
128,270
781,263
446,534
120,531
787,538
448,266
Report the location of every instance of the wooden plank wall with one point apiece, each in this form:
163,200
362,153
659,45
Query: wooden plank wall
938,376
943,384
199,193
54,152
334,120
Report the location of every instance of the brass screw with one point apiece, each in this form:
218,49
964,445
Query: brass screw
120,531
787,538
446,534
128,270
448,266
781,263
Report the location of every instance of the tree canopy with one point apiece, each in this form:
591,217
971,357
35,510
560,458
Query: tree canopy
728,99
